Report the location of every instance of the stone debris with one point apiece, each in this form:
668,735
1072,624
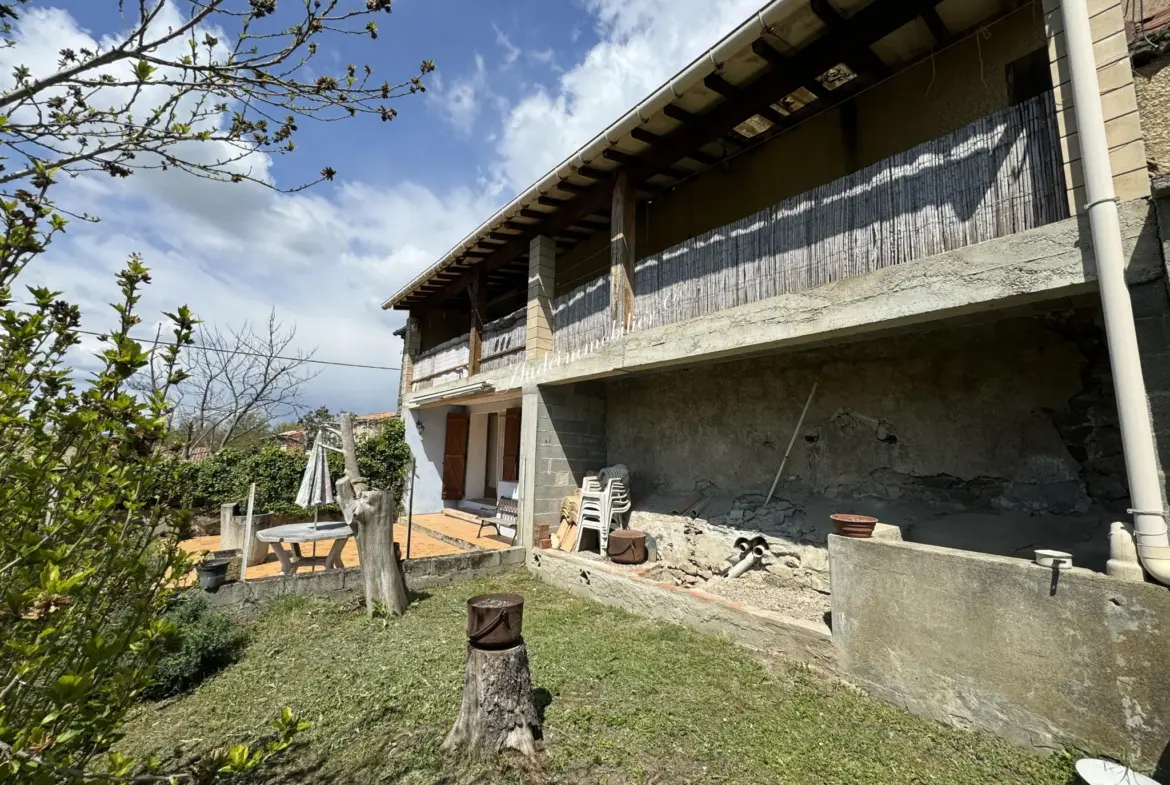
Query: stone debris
698,552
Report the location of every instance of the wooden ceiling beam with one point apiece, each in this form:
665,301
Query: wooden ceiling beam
937,27
571,188
774,58
862,58
551,225
642,135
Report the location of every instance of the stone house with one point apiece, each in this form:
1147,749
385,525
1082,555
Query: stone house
940,213
364,426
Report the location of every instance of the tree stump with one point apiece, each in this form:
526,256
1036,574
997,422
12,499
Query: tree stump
497,712
372,513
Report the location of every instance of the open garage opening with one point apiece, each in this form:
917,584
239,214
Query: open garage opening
994,433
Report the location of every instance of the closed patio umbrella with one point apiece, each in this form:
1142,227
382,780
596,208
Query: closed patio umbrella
316,486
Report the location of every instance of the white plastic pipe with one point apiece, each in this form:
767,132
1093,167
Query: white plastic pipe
1133,410
744,564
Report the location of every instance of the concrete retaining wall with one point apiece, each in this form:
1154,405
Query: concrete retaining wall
985,641
343,585
794,639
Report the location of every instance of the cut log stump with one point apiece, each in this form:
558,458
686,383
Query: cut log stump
497,712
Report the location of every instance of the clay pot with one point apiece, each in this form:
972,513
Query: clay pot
626,546
495,621
857,526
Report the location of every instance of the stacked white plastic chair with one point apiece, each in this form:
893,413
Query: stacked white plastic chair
604,500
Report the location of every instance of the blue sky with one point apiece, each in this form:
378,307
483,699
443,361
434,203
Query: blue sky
520,85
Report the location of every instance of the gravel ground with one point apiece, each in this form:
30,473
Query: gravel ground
767,592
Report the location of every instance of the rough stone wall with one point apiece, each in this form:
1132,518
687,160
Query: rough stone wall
1152,83
989,642
570,440
974,417
1151,310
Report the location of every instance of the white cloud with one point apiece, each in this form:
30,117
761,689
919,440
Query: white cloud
326,259
641,44
460,102
511,51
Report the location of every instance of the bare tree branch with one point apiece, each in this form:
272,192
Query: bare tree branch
240,381
169,93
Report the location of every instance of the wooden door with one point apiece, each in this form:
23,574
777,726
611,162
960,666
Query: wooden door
511,469
455,455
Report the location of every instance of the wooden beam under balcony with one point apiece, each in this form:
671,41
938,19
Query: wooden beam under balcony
622,252
477,292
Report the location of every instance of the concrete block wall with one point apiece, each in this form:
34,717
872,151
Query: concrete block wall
570,440
1123,127
538,327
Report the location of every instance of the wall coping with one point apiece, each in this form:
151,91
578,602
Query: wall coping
344,584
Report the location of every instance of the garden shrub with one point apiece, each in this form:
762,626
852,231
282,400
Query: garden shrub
206,640
224,477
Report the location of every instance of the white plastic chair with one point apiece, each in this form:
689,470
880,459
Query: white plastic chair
619,504
601,507
593,513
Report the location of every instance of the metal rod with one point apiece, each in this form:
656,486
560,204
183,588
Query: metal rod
791,442
410,509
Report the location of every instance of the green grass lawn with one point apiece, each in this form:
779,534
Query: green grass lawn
630,701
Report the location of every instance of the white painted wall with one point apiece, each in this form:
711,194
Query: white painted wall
427,448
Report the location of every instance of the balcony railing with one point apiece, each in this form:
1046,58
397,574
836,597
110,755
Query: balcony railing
581,319
503,341
443,363
997,176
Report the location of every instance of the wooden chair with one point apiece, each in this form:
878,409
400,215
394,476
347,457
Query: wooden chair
507,512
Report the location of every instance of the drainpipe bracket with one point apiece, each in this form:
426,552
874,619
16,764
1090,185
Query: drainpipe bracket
1096,202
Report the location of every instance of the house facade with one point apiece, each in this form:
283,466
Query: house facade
941,214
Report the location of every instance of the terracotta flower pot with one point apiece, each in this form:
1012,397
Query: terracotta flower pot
858,526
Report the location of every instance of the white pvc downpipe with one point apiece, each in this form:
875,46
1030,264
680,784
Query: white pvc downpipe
1137,437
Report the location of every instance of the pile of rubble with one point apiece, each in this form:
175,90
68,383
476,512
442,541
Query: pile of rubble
698,552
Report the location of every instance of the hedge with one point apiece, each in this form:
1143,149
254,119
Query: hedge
224,477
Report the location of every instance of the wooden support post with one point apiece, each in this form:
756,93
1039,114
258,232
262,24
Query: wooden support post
621,251
372,513
477,293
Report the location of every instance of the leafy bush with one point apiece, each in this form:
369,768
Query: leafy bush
384,458
206,640
224,477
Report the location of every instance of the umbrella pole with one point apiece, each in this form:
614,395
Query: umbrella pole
410,509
